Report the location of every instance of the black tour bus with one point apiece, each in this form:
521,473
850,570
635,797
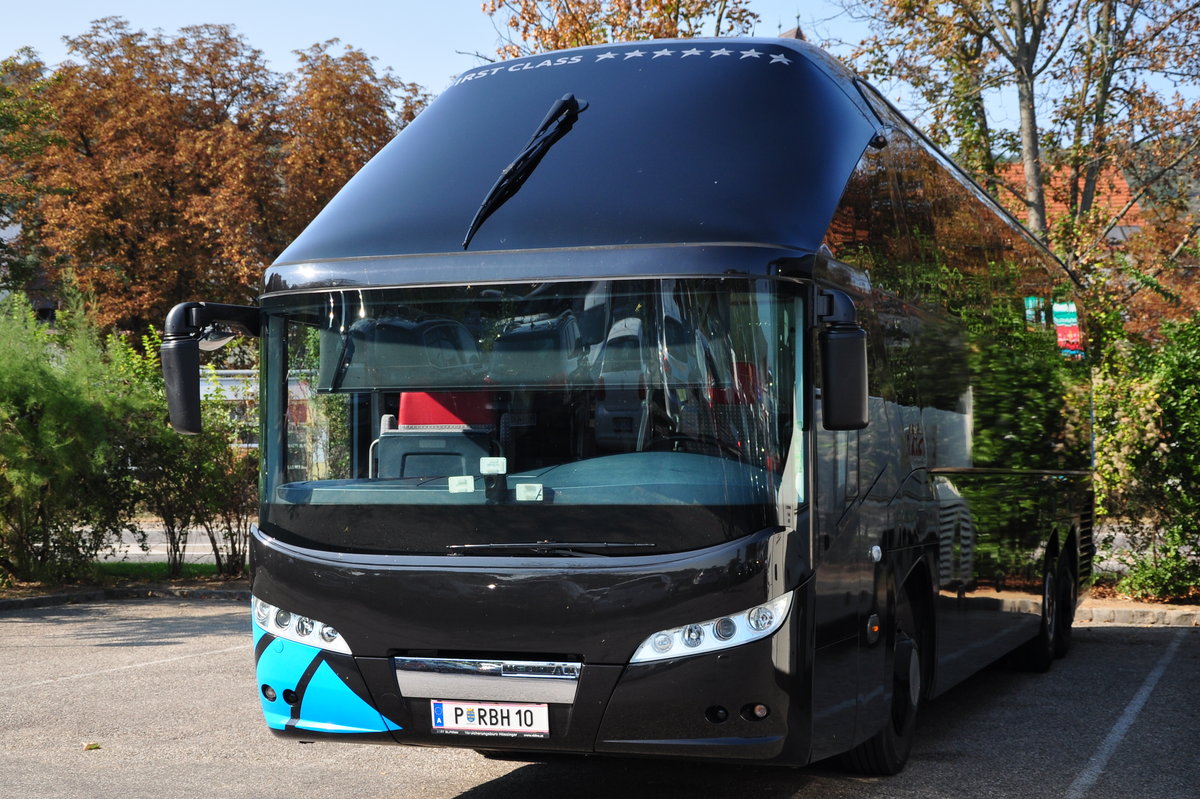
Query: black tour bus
673,398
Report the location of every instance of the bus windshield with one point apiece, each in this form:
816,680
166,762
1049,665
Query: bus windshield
608,416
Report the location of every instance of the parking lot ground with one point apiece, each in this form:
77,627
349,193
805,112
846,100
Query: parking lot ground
156,698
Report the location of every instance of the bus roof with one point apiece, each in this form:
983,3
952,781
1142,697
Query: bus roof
680,142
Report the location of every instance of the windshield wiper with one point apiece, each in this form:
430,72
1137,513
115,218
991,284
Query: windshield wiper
558,123
577,548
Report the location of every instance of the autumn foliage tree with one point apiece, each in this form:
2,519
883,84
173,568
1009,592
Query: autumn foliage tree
341,112
535,26
1106,91
179,165
24,120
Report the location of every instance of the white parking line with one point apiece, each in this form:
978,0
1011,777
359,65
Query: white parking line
1095,767
240,647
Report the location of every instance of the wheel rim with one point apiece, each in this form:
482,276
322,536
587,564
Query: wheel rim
914,677
1049,609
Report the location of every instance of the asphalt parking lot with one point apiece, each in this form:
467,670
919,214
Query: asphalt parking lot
156,698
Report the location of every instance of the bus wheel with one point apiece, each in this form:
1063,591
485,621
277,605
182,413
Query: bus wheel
1038,654
1066,610
887,751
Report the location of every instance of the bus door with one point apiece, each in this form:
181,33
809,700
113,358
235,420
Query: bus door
843,583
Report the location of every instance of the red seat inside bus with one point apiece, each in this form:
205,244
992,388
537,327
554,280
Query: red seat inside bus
438,434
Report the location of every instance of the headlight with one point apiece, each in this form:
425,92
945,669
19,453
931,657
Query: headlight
720,633
301,629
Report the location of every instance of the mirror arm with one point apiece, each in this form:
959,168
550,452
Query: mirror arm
835,308
186,324
192,319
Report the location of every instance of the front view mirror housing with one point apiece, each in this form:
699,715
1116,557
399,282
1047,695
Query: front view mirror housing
191,327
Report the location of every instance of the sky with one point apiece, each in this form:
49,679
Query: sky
423,41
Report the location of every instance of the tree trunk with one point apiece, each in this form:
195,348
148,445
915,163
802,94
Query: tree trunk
1031,158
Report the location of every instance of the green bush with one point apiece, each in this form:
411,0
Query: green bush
1148,460
85,444
229,484
67,492
205,482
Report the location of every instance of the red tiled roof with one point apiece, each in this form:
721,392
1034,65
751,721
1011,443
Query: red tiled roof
1112,194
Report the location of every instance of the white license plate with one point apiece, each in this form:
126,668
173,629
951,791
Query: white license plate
519,720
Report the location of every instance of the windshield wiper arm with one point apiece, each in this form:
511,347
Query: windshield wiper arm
558,123
578,548
345,355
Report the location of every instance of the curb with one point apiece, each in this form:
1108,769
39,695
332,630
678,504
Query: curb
145,592
1138,617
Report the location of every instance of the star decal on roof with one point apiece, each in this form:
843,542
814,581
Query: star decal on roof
752,54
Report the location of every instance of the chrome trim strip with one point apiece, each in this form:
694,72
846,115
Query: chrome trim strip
488,680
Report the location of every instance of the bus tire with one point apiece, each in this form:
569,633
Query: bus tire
1038,653
887,751
1067,593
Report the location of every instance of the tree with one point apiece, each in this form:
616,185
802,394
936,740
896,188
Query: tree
158,185
177,166
24,120
954,51
1103,88
1117,116
339,115
536,26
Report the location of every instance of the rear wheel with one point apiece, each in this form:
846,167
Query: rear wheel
887,751
1067,592
1038,653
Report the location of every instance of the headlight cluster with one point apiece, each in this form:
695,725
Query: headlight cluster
301,629
708,636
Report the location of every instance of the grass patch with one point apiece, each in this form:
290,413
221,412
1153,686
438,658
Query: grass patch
110,574
149,572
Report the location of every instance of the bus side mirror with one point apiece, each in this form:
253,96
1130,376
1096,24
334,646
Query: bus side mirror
181,374
843,364
191,327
